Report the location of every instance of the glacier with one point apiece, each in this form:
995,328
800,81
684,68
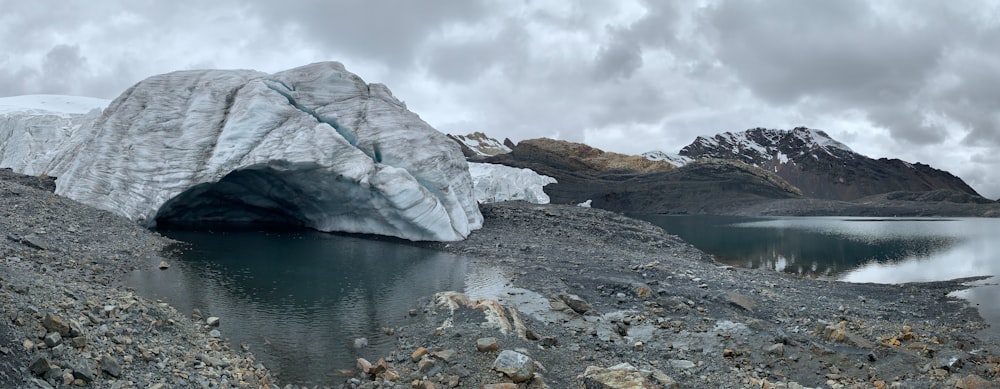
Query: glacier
314,146
496,183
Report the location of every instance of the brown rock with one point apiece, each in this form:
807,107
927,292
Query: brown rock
418,353
164,265
486,344
505,385
55,324
643,292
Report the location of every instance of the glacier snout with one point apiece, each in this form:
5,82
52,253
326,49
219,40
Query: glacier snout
313,146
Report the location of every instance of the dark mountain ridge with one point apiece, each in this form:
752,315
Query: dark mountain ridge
822,167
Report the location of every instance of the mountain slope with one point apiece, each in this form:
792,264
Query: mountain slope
625,184
821,166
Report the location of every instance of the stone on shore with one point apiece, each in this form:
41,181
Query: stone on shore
575,303
55,324
40,365
111,366
516,366
486,344
53,339
625,376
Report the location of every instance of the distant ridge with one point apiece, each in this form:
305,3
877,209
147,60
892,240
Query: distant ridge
821,166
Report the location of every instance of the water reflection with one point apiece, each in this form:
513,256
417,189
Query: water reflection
856,249
299,299
815,247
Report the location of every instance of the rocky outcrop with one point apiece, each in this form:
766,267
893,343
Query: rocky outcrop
821,166
580,157
313,146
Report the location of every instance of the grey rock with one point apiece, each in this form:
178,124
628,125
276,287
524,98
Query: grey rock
214,333
741,301
111,366
360,343
83,370
39,384
212,321
78,342
681,364
777,349
575,303
53,339
40,365
75,329
516,366
54,374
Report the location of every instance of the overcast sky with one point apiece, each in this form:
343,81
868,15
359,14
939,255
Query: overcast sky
915,80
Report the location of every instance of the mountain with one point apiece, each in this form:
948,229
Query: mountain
822,167
578,156
633,184
313,146
477,144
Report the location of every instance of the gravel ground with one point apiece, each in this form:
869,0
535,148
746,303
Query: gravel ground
589,299
68,321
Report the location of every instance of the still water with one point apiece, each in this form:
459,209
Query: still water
878,250
299,299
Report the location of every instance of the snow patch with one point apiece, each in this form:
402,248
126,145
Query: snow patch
673,158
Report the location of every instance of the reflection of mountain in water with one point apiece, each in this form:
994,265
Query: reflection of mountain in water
301,298
809,246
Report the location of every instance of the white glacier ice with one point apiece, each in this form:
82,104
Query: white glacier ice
313,146
495,183
33,128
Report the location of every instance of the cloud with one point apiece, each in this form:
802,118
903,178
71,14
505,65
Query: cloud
892,78
385,30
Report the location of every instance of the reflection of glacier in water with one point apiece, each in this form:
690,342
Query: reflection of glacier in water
300,299
879,250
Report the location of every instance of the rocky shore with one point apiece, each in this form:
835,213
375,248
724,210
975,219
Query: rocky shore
590,299
67,320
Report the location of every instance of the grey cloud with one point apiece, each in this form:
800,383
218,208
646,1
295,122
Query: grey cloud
619,58
786,50
907,125
386,30
465,61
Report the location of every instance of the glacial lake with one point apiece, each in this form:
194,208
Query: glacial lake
856,249
300,299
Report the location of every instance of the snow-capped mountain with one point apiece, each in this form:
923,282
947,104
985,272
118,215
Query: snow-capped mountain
477,144
821,166
314,146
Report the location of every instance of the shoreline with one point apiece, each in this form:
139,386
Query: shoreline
653,302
